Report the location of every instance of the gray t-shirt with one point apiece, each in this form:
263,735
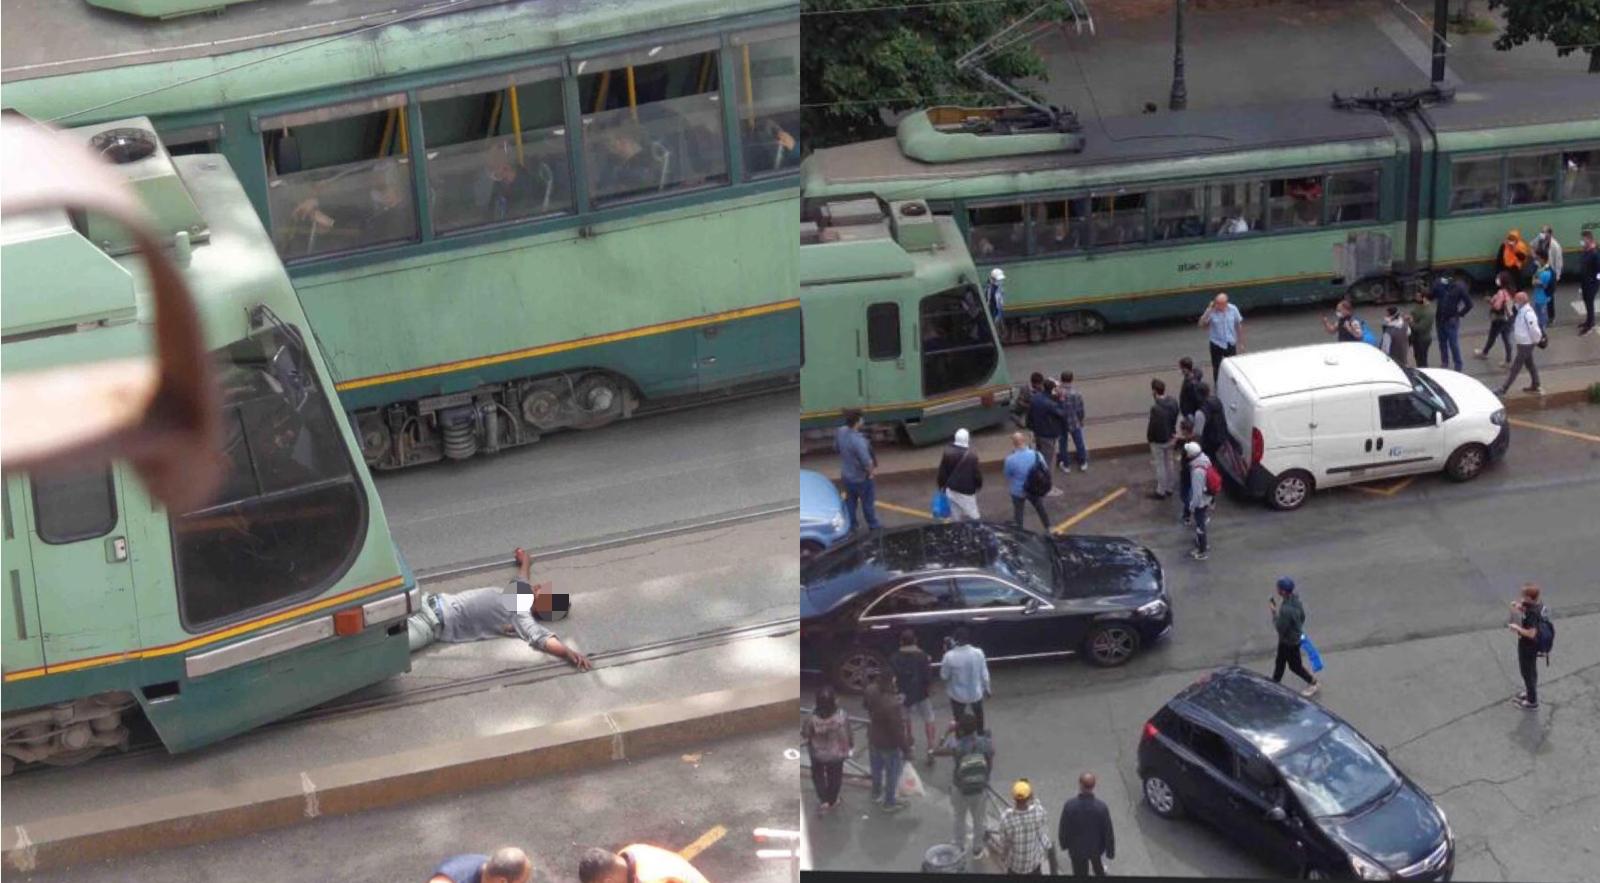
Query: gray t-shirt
477,614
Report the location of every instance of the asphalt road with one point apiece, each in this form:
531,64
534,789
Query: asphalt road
575,487
702,799
1405,582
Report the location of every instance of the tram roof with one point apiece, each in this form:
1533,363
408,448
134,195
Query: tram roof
55,37
1119,140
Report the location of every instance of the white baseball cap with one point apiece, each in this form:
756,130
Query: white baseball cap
962,439
997,274
1192,449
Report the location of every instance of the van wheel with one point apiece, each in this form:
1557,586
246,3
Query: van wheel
1466,462
1162,798
1290,491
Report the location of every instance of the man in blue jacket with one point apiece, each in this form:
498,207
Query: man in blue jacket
1046,421
1455,302
857,468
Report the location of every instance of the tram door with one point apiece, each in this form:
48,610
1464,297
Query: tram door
78,540
883,343
23,642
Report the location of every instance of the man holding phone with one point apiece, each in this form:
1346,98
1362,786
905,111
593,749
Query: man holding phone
1526,614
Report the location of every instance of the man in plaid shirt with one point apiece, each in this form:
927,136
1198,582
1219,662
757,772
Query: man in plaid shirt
1022,826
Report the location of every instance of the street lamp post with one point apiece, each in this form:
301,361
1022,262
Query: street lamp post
1180,93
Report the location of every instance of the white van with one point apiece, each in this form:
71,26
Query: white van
1320,416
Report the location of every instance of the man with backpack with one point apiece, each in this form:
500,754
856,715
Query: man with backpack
1046,420
1536,634
973,750
1205,482
960,478
1028,478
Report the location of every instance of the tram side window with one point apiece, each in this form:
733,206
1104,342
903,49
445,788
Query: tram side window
1178,213
1531,180
1118,219
652,121
1060,225
1474,184
958,346
1353,196
497,150
291,514
1236,208
1295,202
883,331
338,178
769,101
997,231
1580,174
73,507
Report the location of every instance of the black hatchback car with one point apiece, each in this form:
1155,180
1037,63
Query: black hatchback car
1291,781
1022,595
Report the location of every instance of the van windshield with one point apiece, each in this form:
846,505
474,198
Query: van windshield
1428,389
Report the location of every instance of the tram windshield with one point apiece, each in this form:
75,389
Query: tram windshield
958,346
291,514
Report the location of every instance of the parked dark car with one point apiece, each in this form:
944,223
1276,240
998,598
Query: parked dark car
1291,781
1021,594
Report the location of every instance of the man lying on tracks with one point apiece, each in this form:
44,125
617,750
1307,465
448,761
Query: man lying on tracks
477,614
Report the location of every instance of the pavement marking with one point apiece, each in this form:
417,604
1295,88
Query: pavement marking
1092,508
23,855
1572,433
1389,491
618,751
703,842
904,510
313,805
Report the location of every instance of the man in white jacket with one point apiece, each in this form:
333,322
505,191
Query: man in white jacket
1526,334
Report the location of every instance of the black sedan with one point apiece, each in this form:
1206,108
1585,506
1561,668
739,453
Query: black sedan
1290,781
1022,595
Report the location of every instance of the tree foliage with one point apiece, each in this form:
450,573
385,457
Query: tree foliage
861,56
1572,25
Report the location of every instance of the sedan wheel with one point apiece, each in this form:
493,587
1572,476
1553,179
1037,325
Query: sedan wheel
1163,801
1112,645
854,670
1291,491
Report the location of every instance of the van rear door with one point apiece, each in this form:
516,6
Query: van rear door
1342,438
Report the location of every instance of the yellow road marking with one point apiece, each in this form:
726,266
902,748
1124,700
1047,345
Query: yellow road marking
1094,507
1389,491
904,510
1528,424
703,842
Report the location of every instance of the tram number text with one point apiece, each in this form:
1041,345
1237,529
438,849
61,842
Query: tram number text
1222,264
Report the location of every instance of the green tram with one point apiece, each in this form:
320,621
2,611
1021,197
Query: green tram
894,324
502,218
1275,205
216,620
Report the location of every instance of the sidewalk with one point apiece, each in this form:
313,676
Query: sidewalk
1114,370
1520,788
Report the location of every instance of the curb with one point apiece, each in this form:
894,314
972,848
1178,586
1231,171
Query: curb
204,815
1522,404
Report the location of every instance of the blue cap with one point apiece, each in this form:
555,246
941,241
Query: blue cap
1285,584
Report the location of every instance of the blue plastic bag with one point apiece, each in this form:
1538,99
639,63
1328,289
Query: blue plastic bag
1312,655
940,507
1367,335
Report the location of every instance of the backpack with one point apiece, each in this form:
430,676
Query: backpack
1544,635
972,771
1038,482
1213,479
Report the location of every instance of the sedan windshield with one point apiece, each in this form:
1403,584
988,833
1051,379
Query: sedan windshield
1337,774
1028,559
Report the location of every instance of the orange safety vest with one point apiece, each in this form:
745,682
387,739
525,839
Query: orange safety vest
652,864
1514,254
